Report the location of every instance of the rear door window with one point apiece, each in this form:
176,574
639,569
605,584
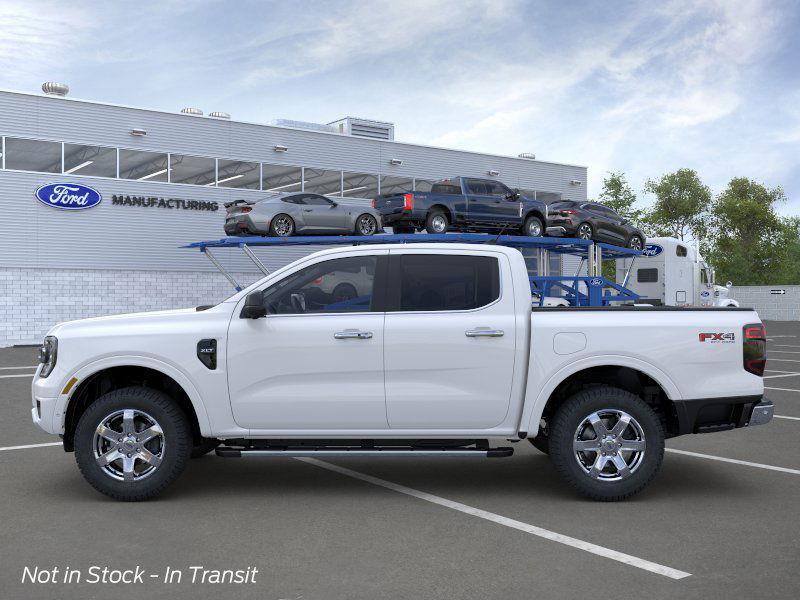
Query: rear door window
438,282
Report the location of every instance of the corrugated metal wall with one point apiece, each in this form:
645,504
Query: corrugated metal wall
125,237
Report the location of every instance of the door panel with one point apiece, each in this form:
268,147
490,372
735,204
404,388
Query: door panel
440,373
290,372
315,362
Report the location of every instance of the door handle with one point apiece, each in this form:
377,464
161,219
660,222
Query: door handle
348,334
308,210
484,333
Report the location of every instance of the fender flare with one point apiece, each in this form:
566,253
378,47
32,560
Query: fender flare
89,369
535,402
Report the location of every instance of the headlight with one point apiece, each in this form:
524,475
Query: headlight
48,354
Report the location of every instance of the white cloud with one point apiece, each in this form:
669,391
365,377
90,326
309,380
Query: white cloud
38,37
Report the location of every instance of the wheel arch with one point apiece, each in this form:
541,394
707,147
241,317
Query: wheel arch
104,376
444,208
535,212
635,376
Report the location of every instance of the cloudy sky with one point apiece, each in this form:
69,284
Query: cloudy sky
644,87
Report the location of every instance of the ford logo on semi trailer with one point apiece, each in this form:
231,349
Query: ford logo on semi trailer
652,250
68,196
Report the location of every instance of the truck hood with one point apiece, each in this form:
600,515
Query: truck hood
127,320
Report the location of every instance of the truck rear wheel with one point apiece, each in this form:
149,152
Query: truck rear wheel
606,443
533,227
437,222
132,443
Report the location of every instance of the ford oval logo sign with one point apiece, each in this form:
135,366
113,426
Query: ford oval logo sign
652,250
68,196
595,282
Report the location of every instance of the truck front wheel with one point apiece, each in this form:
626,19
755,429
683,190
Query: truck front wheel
436,222
606,443
132,443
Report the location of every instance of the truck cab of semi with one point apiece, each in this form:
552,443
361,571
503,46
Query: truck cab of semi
670,272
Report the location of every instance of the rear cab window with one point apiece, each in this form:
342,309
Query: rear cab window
446,186
440,282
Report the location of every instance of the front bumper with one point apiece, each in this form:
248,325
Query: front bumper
708,415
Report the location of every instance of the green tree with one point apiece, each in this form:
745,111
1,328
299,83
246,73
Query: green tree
618,195
750,243
681,206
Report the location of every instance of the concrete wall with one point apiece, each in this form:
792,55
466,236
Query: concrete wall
775,307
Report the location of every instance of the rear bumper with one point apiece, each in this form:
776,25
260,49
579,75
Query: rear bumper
244,225
708,415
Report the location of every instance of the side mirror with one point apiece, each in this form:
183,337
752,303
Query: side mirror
254,306
334,204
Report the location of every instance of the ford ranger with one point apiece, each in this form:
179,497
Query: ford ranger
437,353
464,204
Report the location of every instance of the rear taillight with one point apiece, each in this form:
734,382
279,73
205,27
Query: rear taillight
246,209
568,212
754,348
408,201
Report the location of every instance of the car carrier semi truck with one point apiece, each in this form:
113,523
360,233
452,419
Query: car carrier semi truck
670,272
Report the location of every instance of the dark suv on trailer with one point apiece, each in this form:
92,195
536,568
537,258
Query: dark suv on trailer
463,204
593,221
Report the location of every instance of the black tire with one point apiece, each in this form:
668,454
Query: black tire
636,242
276,226
582,230
533,227
177,442
564,429
541,442
433,223
403,228
203,447
373,225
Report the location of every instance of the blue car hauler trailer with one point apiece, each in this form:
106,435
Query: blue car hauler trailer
591,289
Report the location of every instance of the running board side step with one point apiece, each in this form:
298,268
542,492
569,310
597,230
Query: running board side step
228,452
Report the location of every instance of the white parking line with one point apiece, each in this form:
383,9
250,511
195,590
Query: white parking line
32,446
734,461
784,375
781,389
17,368
519,525
785,417
785,346
19,375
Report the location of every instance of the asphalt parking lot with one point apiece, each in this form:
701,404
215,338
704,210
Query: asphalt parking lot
720,521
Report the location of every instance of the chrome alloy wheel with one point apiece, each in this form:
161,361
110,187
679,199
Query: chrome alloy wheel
609,445
585,231
439,223
282,225
635,243
128,445
367,225
534,228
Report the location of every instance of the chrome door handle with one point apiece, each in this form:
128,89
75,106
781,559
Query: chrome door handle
352,334
484,333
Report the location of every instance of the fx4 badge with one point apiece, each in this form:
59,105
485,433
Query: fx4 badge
718,338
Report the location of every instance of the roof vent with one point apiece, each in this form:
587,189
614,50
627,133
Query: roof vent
51,88
192,111
377,130
527,155
219,115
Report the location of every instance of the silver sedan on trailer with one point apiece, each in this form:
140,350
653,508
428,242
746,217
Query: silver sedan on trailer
299,213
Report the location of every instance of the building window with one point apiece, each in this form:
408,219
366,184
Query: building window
96,161
194,170
143,166
359,185
237,174
396,185
321,181
33,155
280,178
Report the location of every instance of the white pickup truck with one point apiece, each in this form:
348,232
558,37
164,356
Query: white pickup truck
439,353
